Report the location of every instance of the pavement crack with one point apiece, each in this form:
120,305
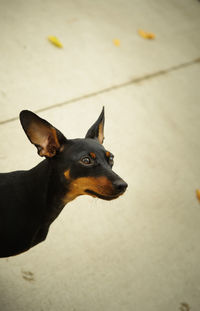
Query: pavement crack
114,87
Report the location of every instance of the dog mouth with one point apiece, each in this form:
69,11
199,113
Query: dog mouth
101,196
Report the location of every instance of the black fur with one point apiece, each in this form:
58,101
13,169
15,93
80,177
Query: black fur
31,200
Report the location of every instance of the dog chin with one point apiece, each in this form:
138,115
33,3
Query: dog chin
101,196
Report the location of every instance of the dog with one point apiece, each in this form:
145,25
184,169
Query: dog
31,200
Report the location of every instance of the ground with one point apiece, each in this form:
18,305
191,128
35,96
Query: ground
140,252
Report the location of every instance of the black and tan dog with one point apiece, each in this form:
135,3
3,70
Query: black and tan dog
31,200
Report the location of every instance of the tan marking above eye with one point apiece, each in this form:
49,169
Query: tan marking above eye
100,185
93,155
67,174
107,154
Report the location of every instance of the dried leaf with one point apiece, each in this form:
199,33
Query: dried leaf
116,42
198,194
55,41
146,35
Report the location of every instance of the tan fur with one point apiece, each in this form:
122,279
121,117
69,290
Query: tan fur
101,133
100,185
93,155
45,137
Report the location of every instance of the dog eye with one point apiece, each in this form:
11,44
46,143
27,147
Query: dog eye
111,160
86,161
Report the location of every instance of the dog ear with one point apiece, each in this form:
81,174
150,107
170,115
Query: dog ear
42,134
96,131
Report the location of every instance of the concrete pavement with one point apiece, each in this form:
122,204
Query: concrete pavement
140,252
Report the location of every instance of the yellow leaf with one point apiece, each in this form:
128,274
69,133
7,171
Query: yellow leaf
116,42
146,35
55,41
198,194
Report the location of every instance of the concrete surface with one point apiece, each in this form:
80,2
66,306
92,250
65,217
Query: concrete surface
142,251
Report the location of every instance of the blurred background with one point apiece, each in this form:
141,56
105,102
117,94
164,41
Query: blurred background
141,60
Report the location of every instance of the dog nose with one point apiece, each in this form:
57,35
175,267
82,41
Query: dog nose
120,185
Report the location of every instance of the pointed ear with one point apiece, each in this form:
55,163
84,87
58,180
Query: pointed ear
42,134
96,131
